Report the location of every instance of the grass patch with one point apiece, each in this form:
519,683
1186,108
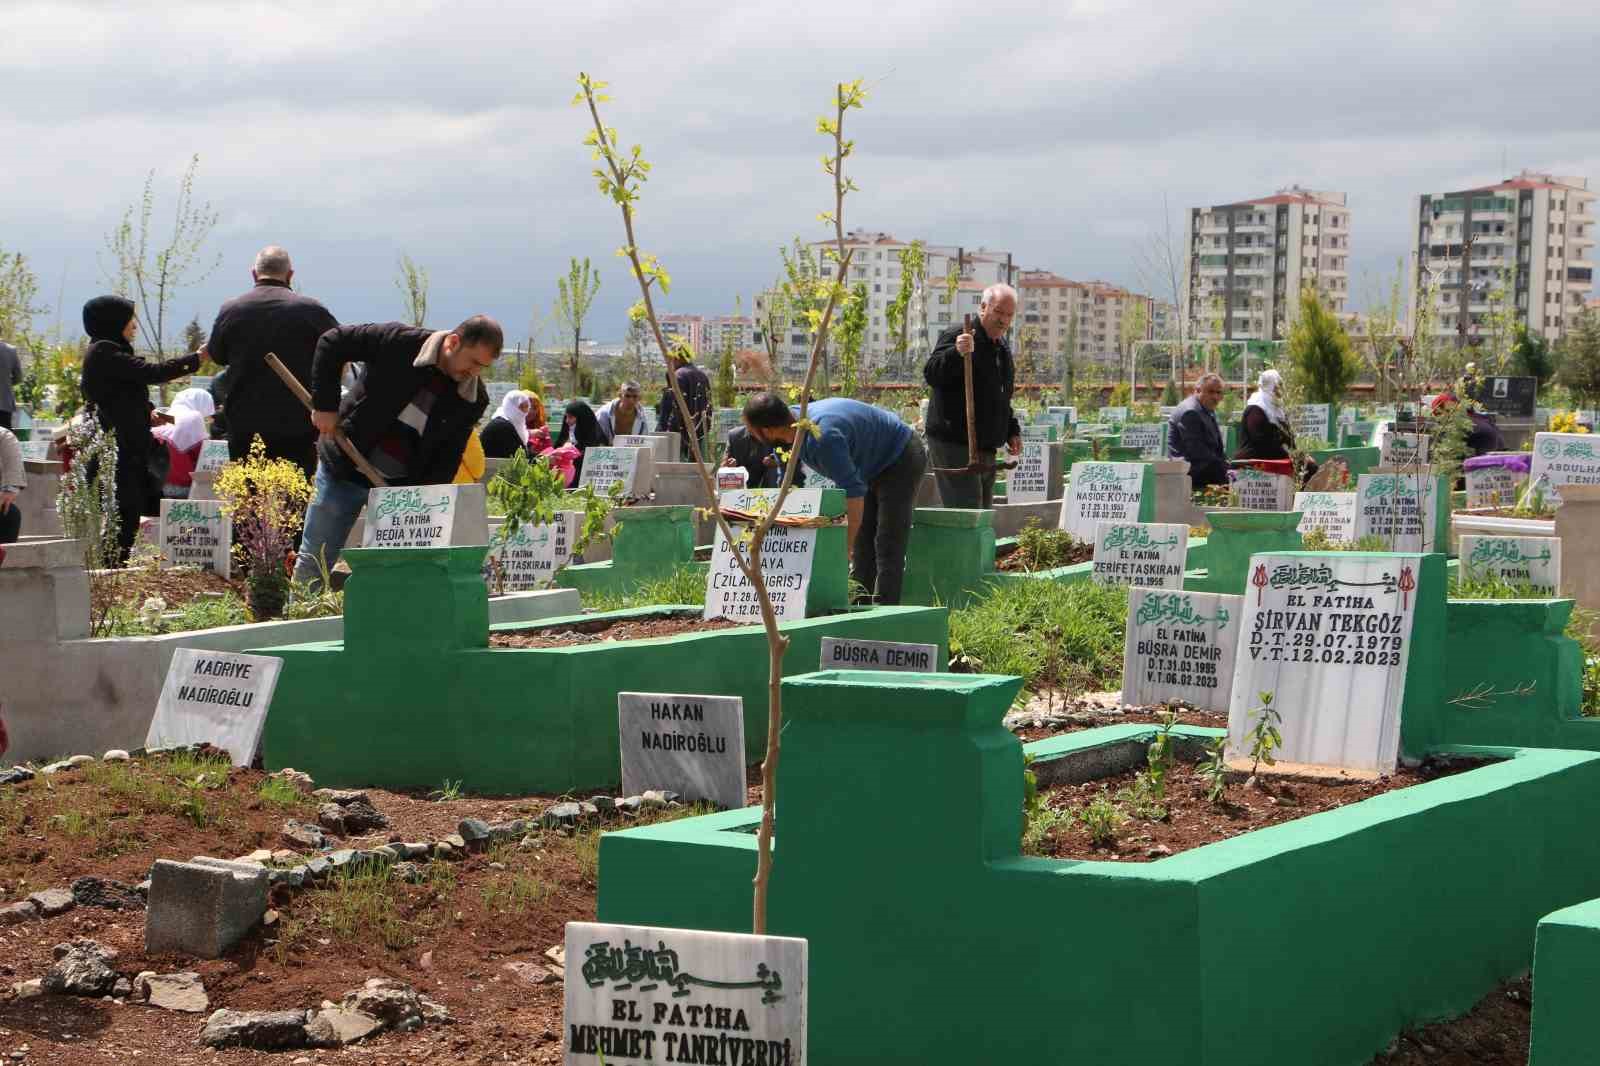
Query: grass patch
364,905
514,892
686,584
281,792
1047,633
165,785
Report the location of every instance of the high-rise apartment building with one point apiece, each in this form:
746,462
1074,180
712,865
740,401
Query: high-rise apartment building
1249,261
1083,318
1522,246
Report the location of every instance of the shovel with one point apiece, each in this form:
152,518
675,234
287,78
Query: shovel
339,438
975,464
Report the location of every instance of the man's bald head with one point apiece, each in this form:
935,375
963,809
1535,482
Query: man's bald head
272,263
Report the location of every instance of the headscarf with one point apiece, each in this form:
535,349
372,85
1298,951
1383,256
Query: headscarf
511,412
586,434
1266,396
105,317
189,411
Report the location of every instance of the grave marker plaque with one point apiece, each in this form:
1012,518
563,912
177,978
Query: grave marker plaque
1330,637
216,697
660,444
1403,449
1565,459
1261,491
641,994
691,745
731,477
1149,437
1038,431
36,450
213,455
1102,491
196,533
1492,486
1114,415
604,467
800,503
848,653
1310,421
1508,398
535,552
1534,561
787,554
1029,480
1149,554
1334,513
1180,646
1400,508
410,516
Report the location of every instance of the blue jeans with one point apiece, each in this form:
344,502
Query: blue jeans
335,506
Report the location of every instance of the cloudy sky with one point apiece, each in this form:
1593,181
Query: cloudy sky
351,132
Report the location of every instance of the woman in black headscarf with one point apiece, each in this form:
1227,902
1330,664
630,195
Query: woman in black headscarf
116,385
580,429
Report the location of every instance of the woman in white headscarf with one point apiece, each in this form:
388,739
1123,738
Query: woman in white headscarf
1264,431
507,431
184,436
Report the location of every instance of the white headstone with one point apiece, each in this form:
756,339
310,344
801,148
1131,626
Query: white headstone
216,697
1057,418
1329,636
1492,486
196,533
604,467
661,444
1400,508
787,554
1565,459
1038,431
691,745
1261,491
1180,646
37,450
1310,421
213,454
1068,413
800,503
1101,491
1029,480
410,516
1334,513
1166,411
1149,554
1403,449
633,994
533,554
1114,415
1534,561
1149,437
848,653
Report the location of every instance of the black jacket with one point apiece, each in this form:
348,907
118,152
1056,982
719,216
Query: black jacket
750,453
117,383
269,318
1193,434
993,380
499,439
386,385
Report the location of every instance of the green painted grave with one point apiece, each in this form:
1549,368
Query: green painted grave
1235,537
934,941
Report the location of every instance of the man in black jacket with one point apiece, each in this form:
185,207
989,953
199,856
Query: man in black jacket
993,378
759,459
1193,434
413,405
271,317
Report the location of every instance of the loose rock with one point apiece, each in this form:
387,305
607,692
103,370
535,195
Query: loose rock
268,1030
17,913
53,901
299,779
82,968
115,755
16,775
173,991
474,832
336,1026
306,836
28,989
532,973
560,814
101,892
395,1003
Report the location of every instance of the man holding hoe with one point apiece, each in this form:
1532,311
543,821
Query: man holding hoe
967,480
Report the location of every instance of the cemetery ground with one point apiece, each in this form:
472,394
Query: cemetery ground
450,935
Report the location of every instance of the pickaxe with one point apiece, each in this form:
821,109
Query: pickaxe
975,464
339,438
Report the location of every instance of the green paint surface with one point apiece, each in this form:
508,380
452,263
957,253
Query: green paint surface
1235,537
414,695
1566,972
932,940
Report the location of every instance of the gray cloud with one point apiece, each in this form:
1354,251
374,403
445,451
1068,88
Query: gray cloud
352,132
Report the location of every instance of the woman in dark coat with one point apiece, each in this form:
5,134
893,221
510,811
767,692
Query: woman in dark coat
580,429
116,385
1264,431
507,432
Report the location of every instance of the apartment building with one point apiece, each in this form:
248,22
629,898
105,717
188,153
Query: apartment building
875,263
1084,318
1525,243
1249,261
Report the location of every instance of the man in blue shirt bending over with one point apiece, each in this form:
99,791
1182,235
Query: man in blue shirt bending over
878,462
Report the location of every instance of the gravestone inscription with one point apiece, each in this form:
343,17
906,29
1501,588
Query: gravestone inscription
848,653
215,697
1150,554
1521,561
689,744
1180,646
1334,513
196,533
1100,492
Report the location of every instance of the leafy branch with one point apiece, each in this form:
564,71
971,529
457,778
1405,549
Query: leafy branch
619,175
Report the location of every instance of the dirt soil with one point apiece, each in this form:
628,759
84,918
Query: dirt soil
1192,821
449,937
1012,559
176,587
605,629
1495,1032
